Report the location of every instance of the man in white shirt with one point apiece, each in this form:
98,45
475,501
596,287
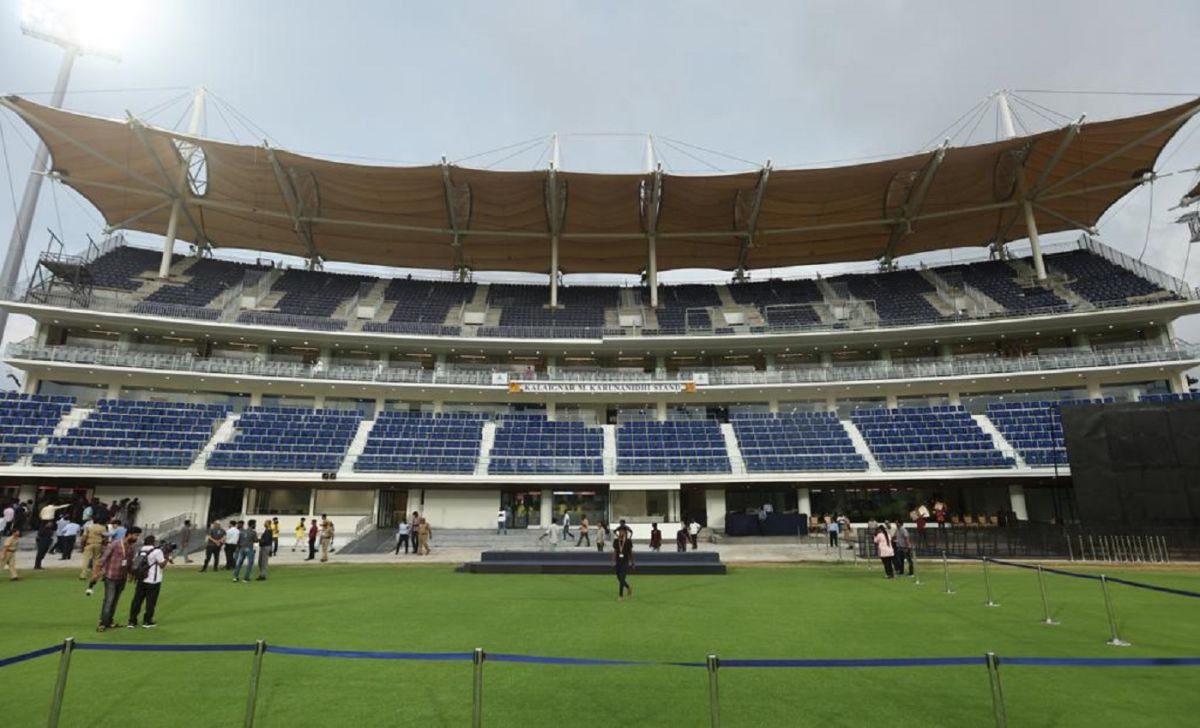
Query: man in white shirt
70,531
232,534
148,568
48,511
566,526
10,515
502,523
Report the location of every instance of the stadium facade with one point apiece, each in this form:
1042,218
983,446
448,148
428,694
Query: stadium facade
208,386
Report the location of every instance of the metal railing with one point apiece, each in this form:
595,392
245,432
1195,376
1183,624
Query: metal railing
816,374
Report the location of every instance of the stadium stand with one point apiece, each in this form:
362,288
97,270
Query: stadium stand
685,308
309,299
119,267
998,280
286,438
423,442
673,446
523,309
795,441
1102,282
209,278
1181,397
421,307
898,296
921,438
1034,429
533,444
136,434
27,418
781,303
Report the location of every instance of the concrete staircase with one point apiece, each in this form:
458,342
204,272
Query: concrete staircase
736,463
610,449
998,440
69,420
487,441
860,445
357,445
224,433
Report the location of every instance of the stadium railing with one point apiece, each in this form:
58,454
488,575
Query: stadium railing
911,369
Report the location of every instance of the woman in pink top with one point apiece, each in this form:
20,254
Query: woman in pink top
886,552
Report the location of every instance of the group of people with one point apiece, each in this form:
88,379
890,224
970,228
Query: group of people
894,547
416,533
242,544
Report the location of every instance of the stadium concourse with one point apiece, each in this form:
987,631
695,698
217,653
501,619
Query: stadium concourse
209,387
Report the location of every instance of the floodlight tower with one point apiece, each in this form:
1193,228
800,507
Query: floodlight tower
80,27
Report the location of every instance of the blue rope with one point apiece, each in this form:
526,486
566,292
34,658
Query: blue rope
162,648
861,662
30,655
370,655
1112,579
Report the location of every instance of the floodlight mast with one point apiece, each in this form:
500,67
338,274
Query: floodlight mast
15,255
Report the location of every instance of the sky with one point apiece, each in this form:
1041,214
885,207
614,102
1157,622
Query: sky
730,85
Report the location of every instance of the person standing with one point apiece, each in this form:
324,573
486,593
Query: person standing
550,532
566,524
232,535
502,522
903,549
681,538
93,543
114,567
326,537
402,536
623,562
275,536
583,533
602,533
887,553
10,515
247,539
833,528
213,541
185,539
266,546
314,532
148,571
424,533
8,553
301,534
694,534
45,537
69,534
655,538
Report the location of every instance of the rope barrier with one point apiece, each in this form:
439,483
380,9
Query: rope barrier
370,654
102,646
1092,577
30,655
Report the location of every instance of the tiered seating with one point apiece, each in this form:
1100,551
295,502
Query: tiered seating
309,300
782,303
120,267
674,446
795,441
209,277
1035,428
136,434
523,309
533,444
927,438
684,308
898,296
422,306
998,280
1100,281
286,438
423,442
25,419
1182,397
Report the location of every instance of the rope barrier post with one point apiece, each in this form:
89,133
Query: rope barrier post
1070,551
1047,617
60,687
260,649
987,583
946,573
912,554
1116,640
1166,553
477,691
713,663
993,668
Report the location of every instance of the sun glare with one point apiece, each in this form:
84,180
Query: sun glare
96,27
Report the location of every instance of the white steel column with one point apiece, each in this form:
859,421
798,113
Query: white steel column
33,186
652,270
1016,500
164,267
554,271
1035,241
804,501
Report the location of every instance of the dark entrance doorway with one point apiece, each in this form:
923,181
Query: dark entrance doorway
224,502
393,504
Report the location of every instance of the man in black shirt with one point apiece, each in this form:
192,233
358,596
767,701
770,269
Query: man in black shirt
623,562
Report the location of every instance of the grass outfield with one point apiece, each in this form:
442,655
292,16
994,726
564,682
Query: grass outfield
771,611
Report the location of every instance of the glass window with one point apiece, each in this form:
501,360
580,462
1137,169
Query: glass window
345,502
279,501
580,503
640,506
275,400
524,507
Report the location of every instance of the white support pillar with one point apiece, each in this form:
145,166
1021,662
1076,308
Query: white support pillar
1080,341
547,506
1093,389
660,364
380,406
885,356
113,391
318,401
891,401
1035,241
551,366
1178,383
256,399
552,411
804,501
770,362
437,406
31,384
773,406
1016,502
660,410
325,357
714,508
652,270
945,352
826,359
554,271
831,403
41,333
123,340
955,398
164,267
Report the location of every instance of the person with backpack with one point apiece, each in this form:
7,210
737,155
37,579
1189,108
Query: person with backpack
147,572
114,568
265,545
247,538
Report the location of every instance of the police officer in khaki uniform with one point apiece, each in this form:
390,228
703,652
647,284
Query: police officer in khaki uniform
93,548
